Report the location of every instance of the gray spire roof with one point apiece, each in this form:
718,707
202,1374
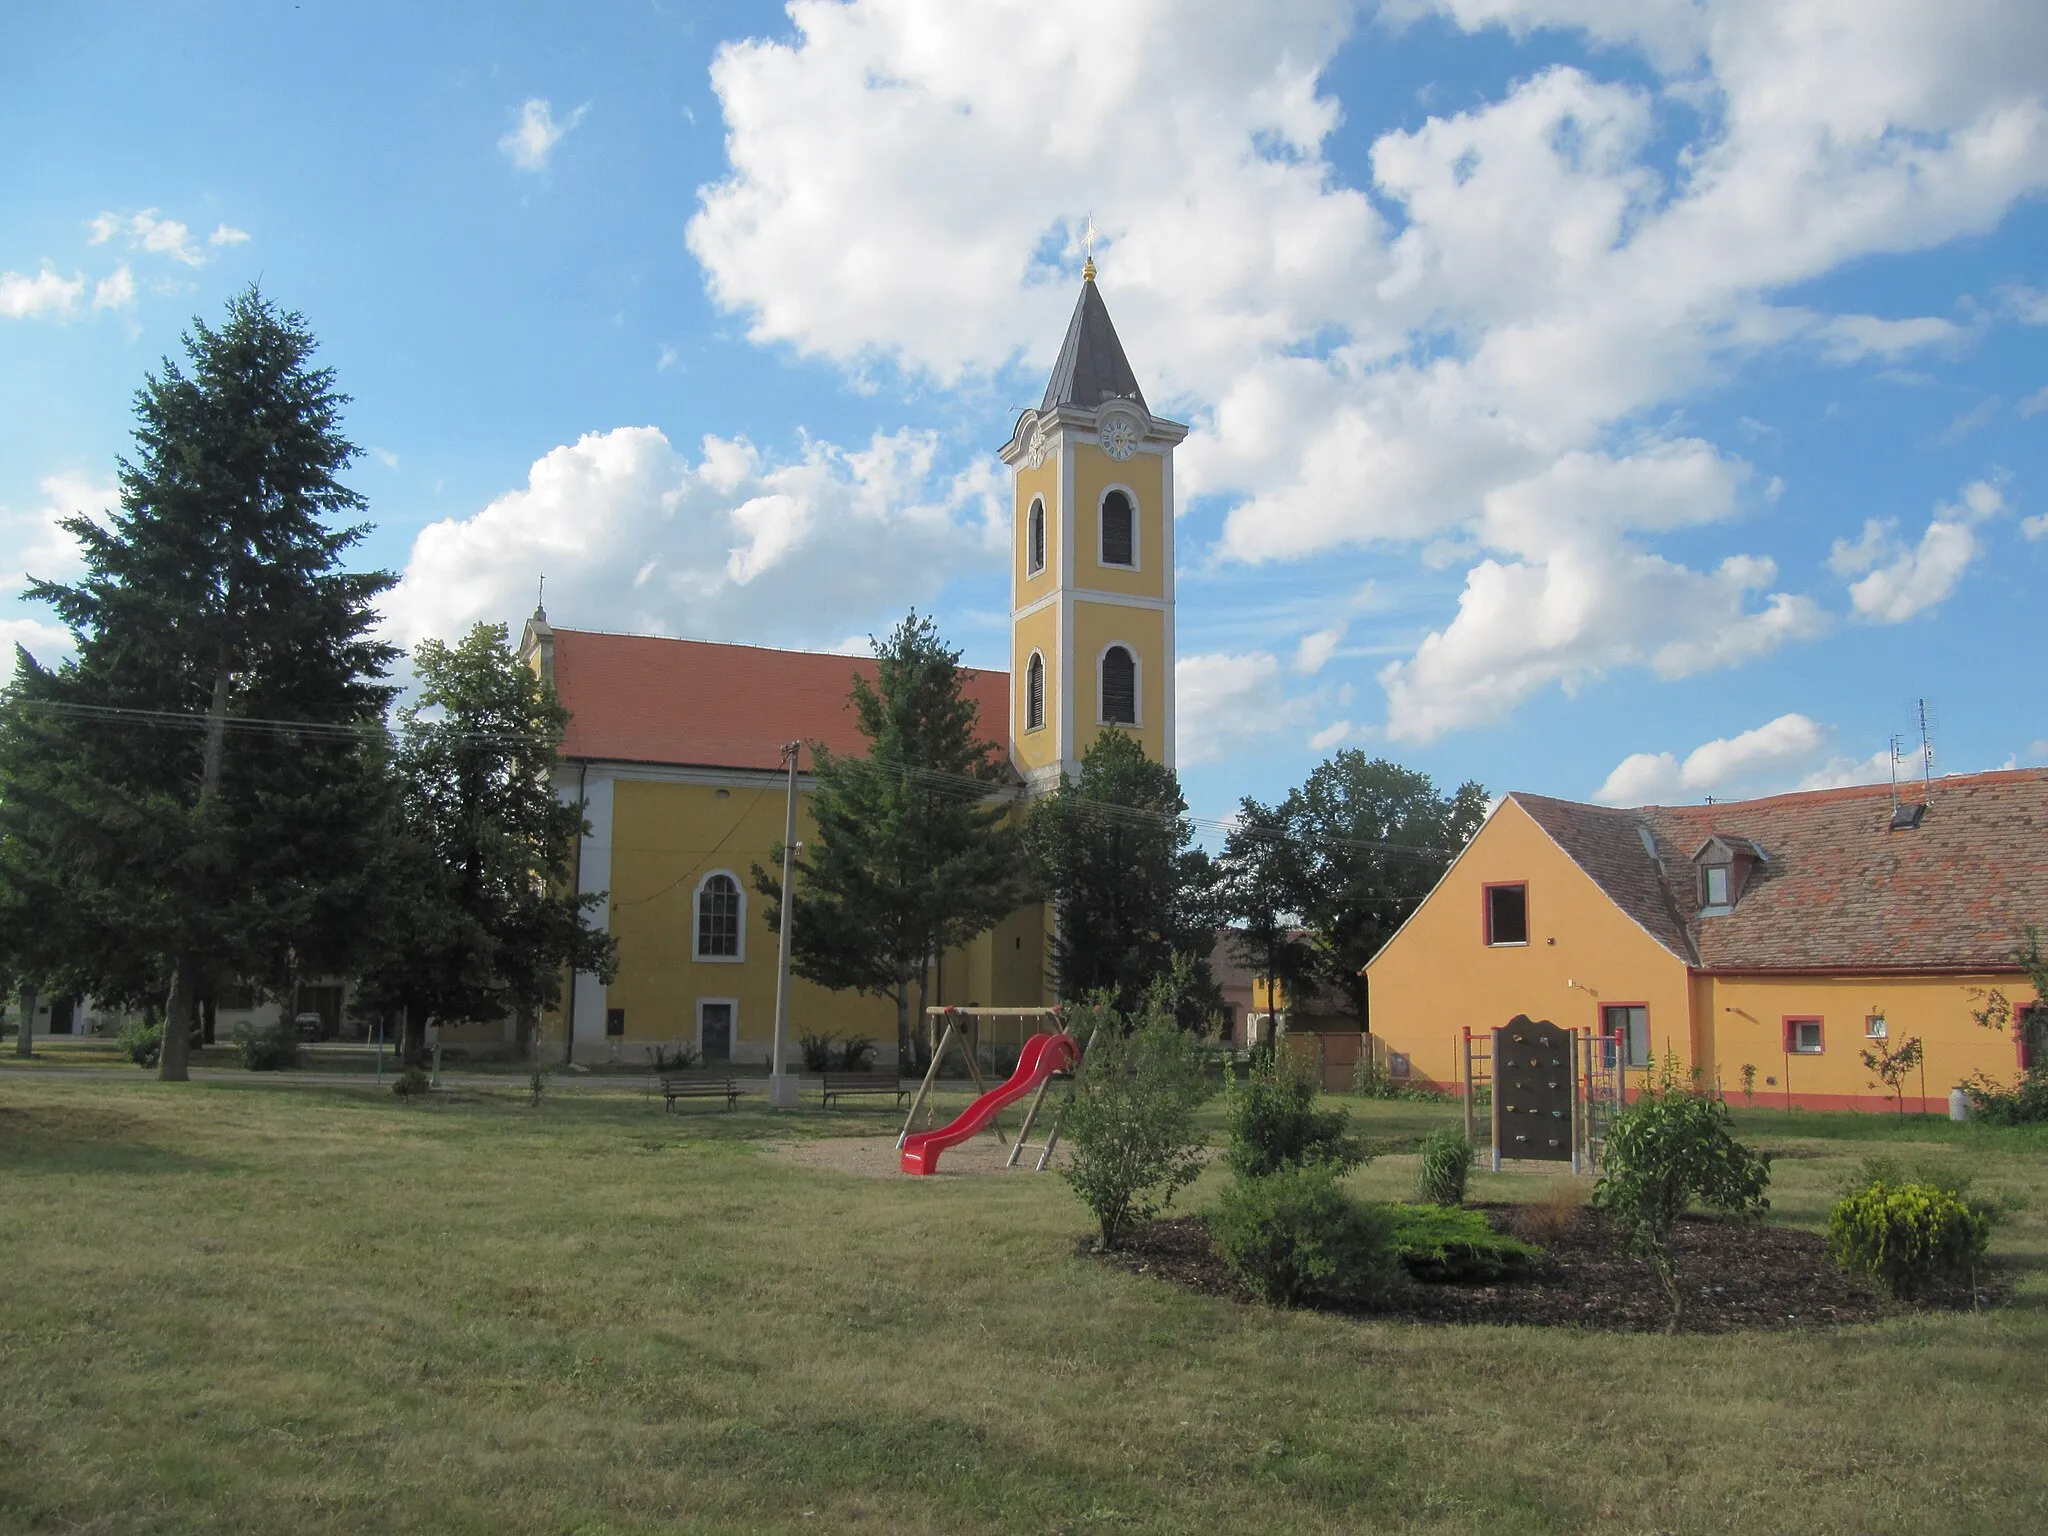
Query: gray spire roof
1092,367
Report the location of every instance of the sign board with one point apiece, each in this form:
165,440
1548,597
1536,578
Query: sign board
1532,1090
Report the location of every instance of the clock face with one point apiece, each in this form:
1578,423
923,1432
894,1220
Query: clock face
1119,436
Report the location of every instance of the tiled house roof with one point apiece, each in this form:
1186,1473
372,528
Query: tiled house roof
645,699
1837,889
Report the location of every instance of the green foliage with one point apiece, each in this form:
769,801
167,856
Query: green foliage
816,1051
2021,1103
537,1084
1434,1242
1669,1148
680,1059
856,1053
1907,1237
1274,1124
273,1048
1114,850
410,1083
1129,1122
1893,1064
144,1042
1445,1166
1295,1236
913,851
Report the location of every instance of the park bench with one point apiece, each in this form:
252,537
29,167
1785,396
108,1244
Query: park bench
673,1088
841,1085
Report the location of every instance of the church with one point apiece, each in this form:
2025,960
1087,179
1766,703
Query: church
675,746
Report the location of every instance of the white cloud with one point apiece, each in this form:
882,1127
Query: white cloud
33,544
905,180
1332,735
533,141
1315,651
2034,404
116,290
2029,306
1224,704
33,298
385,457
1904,582
145,231
2035,527
634,535
42,640
1790,752
227,234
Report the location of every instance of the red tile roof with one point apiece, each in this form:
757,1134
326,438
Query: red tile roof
646,699
1838,889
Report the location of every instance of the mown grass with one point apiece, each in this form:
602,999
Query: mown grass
320,1309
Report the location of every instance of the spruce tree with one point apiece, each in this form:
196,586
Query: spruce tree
197,775
913,850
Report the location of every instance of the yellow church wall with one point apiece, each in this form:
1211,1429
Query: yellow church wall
1095,472
1438,976
1039,632
1035,484
1097,626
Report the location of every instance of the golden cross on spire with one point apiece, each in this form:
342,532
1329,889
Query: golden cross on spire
1089,235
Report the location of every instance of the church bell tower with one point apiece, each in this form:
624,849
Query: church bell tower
1091,585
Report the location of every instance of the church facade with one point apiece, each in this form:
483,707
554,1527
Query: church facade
675,746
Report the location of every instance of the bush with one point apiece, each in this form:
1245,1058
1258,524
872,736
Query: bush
681,1059
1274,1124
1907,1237
144,1043
816,1051
1550,1215
1673,1146
1294,1236
1130,1118
271,1049
410,1082
2024,1103
1446,1166
856,1054
1436,1242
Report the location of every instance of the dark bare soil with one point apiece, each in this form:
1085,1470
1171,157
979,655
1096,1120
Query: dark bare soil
1734,1275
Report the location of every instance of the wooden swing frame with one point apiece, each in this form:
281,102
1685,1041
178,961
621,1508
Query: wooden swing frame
966,1039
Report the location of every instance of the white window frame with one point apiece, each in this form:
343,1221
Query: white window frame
1876,1027
1820,1036
1036,659
1035,523
732,1045
1137,685
1101,528
697,926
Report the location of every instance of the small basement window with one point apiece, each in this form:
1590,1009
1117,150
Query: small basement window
1507,914
1802,1037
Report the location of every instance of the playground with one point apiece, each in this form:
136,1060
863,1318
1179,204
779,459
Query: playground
314,1307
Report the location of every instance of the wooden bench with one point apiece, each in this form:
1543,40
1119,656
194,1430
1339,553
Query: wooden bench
673,1088
843,1085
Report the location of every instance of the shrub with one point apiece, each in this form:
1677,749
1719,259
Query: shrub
816,1051
1129,1120
1550,1215
1446,1166
1908,1236
271,1049
1673,1146
144,1043
1294,1235
681,1059
856,1054
2023,1103
1274,1124
1435,1242
410,1082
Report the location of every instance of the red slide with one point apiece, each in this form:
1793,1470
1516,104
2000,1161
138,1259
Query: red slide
1043,1056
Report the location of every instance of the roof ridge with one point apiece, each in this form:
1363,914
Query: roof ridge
1808,796
736,645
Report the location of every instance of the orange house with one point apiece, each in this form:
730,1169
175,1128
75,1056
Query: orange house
1770,944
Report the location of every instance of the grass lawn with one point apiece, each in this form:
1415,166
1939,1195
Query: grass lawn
321,1309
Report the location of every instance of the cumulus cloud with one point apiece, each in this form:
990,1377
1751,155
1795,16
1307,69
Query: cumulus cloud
1226,703
116,290
1902,582
905,181
530,145
1315,651
35,544
44,295
227,234
1790,752
731,543
145,231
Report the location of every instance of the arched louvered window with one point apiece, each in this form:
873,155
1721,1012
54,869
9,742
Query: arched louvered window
1119,530
718,918
1119,687
1034,693
1034,556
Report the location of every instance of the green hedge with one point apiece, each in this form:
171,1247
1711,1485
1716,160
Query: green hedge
1435,1242
1908,1236
1295,1236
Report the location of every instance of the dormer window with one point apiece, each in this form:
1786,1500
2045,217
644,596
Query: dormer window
1726,866
1714,885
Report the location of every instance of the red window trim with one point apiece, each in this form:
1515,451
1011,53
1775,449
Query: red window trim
1791,1046
1486,913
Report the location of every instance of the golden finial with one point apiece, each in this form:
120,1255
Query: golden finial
1089,235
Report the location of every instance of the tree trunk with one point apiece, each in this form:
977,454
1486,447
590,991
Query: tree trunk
24,1039
172,1063
172,1060
413,1052
902,1023
209,1018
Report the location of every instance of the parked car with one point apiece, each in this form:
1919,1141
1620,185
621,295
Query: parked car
310,1026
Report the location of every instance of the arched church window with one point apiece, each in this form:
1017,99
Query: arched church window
1034,693
1034,558
718,918
1119,530
1119,686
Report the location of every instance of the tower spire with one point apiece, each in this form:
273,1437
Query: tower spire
1089,235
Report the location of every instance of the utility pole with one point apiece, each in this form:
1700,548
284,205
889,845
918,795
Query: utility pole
782,1091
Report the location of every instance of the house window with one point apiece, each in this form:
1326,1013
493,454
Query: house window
1119,687
1034,693
1507,914
1629,1025
718,917
1714,879
1875,1027
1802,1037
1034,554
714,1029
1119,530
615,1021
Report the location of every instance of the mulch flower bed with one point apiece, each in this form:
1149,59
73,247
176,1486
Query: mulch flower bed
1735,1275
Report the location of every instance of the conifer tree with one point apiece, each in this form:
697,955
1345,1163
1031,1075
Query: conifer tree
199,776
913,851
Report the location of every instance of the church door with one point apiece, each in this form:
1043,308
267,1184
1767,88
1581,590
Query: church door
714,1031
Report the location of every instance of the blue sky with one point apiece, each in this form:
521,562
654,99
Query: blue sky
1643,398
